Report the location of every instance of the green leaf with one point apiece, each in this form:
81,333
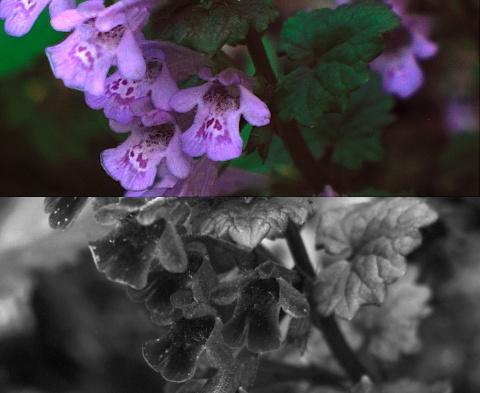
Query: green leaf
370,241
207,25
248,223
260,141
354,135
336,47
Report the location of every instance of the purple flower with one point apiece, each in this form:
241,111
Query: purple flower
220,102
120,92
405,46
154,136
20,15
102,37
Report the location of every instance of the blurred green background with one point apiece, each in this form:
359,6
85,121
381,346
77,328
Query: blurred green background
52,140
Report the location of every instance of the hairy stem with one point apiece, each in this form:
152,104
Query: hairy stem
327,325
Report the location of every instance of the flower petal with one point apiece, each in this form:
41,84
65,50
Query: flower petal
80,63
177,162
254,110
134,163
67,20
163,89
224,141
401,73
185,100
129,57
20,15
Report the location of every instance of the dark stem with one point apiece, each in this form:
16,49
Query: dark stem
314,172
327,325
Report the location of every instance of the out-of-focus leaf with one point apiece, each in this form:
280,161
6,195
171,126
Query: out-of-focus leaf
248,223
371,241
401,386
392,328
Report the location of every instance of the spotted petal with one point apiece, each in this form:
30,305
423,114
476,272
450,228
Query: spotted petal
20,15
134,163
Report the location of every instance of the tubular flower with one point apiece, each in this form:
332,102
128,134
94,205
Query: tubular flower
102,37
20,15
220,103
153,137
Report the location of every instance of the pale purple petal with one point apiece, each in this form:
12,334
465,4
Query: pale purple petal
185,100
67,20
137,17
156,117
194,140
134,163
124,127
20,15
95,102
57,6
163,89
254,110
130,59
91,8
111,17
224,141
142,105
423,48
401,73
205,73
82,64
178,163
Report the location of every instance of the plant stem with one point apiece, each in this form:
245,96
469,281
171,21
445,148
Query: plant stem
327,325
316,175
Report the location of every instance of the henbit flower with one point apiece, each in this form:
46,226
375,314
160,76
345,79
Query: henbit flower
120,92
220,103
102,37
155,136
20,15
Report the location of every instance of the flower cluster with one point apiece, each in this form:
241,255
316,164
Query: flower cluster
142,97
405,46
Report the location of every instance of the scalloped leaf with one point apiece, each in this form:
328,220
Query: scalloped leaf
338,46
370,241
249,222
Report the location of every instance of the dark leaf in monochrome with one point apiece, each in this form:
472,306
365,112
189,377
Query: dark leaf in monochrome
255,321
292,301
249,222
63,210
192,386
159,289
175,355
219,354
129,251
371,241
225,255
